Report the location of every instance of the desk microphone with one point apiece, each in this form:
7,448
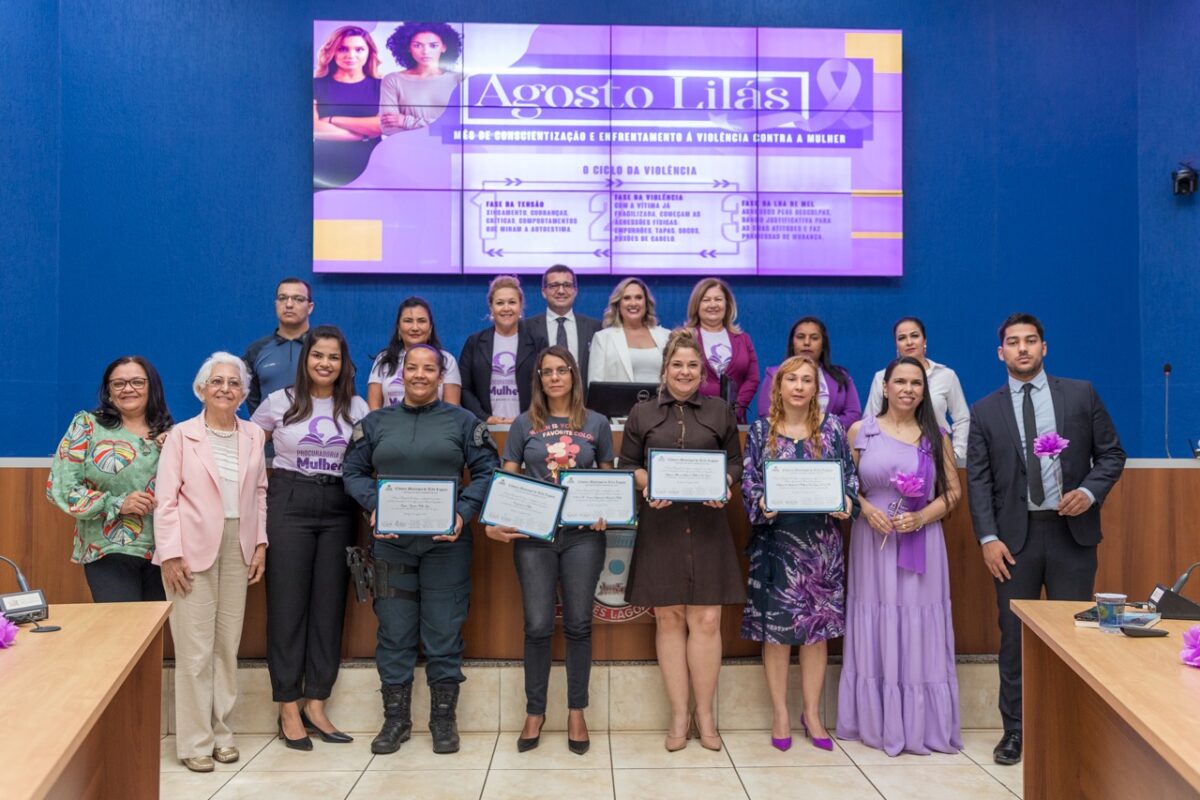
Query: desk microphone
1166,407
26,605
1171,604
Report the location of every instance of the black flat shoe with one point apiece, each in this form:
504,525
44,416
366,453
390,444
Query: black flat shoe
332,737
1008,752
524,745
303,743
579,746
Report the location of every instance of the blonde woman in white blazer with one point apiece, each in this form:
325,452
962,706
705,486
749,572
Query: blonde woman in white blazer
629,348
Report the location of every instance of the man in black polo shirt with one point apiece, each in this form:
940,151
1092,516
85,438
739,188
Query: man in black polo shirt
272,359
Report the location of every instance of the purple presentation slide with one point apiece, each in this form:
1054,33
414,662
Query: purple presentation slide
450,148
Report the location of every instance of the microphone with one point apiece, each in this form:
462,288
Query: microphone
26,605
1171,604
1166,407
1183,579
22,584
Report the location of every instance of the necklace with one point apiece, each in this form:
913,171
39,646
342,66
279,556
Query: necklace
219,433
901,433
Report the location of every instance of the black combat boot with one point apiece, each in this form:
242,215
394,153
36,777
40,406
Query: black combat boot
443,724
397,719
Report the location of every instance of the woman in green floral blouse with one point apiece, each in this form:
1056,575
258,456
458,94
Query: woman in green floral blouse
103,476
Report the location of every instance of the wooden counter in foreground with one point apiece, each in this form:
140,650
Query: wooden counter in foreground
1106,715
81,708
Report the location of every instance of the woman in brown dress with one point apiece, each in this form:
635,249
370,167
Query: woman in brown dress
684,561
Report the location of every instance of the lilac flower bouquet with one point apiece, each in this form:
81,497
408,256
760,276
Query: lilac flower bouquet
1190,654
908,484
1051,445
8,632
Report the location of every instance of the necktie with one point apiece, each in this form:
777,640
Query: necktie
1033,464
560,338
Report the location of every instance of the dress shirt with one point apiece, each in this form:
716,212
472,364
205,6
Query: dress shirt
949,403
572,331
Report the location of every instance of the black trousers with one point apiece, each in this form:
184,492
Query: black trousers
1050,558
310,523
121,578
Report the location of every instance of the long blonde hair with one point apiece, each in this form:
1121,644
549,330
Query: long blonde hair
612,312
693,306
328,51
812,417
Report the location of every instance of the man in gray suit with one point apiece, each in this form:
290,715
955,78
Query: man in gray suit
560,324
1037,519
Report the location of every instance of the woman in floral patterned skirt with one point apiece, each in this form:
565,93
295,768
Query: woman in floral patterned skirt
796,592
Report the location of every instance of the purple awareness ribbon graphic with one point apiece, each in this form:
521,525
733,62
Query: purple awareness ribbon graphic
838,99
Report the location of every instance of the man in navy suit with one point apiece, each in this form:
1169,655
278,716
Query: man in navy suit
1037,519
560,324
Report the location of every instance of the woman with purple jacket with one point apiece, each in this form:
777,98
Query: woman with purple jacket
837,395
712,316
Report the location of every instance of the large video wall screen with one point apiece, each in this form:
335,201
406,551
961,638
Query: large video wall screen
449,148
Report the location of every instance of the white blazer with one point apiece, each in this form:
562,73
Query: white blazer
609,358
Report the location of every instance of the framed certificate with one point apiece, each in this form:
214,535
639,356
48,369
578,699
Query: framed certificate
529,505
595,494
812,487
688,476
416,506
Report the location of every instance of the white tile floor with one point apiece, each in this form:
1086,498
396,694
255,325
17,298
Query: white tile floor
619,765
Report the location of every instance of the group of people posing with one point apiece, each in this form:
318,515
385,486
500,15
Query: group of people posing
186,511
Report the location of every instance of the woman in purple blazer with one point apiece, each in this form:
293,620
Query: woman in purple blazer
836,394
712,316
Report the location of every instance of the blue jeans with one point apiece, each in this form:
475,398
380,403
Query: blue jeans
574,559
437,593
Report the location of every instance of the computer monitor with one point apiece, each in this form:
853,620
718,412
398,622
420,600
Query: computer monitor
616,399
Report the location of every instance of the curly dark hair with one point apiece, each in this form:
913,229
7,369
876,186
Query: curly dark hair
157,415
402,37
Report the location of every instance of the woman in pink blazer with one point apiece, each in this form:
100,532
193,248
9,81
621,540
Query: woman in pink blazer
210,537
728,351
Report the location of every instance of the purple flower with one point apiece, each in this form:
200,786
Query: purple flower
1190,654
909,484
1049,445
8,632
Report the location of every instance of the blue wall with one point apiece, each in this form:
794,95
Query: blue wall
30,134
175,190
1169,226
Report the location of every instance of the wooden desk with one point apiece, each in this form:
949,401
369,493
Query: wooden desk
1106,715
81,708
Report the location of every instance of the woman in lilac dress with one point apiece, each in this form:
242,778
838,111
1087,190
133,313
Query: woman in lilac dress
898,691
796,593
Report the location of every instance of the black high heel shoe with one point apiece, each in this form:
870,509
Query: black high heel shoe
331,737
524,745
303,743
576,746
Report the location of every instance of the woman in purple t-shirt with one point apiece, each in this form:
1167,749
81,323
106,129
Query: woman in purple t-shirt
346,87
310,523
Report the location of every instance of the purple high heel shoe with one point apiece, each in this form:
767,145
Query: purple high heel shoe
783,745
824,744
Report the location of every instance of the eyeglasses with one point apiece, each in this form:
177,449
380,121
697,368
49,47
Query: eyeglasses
559,285
299,299
221,383
119,384
549,372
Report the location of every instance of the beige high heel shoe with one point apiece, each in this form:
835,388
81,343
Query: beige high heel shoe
676,743
712,742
